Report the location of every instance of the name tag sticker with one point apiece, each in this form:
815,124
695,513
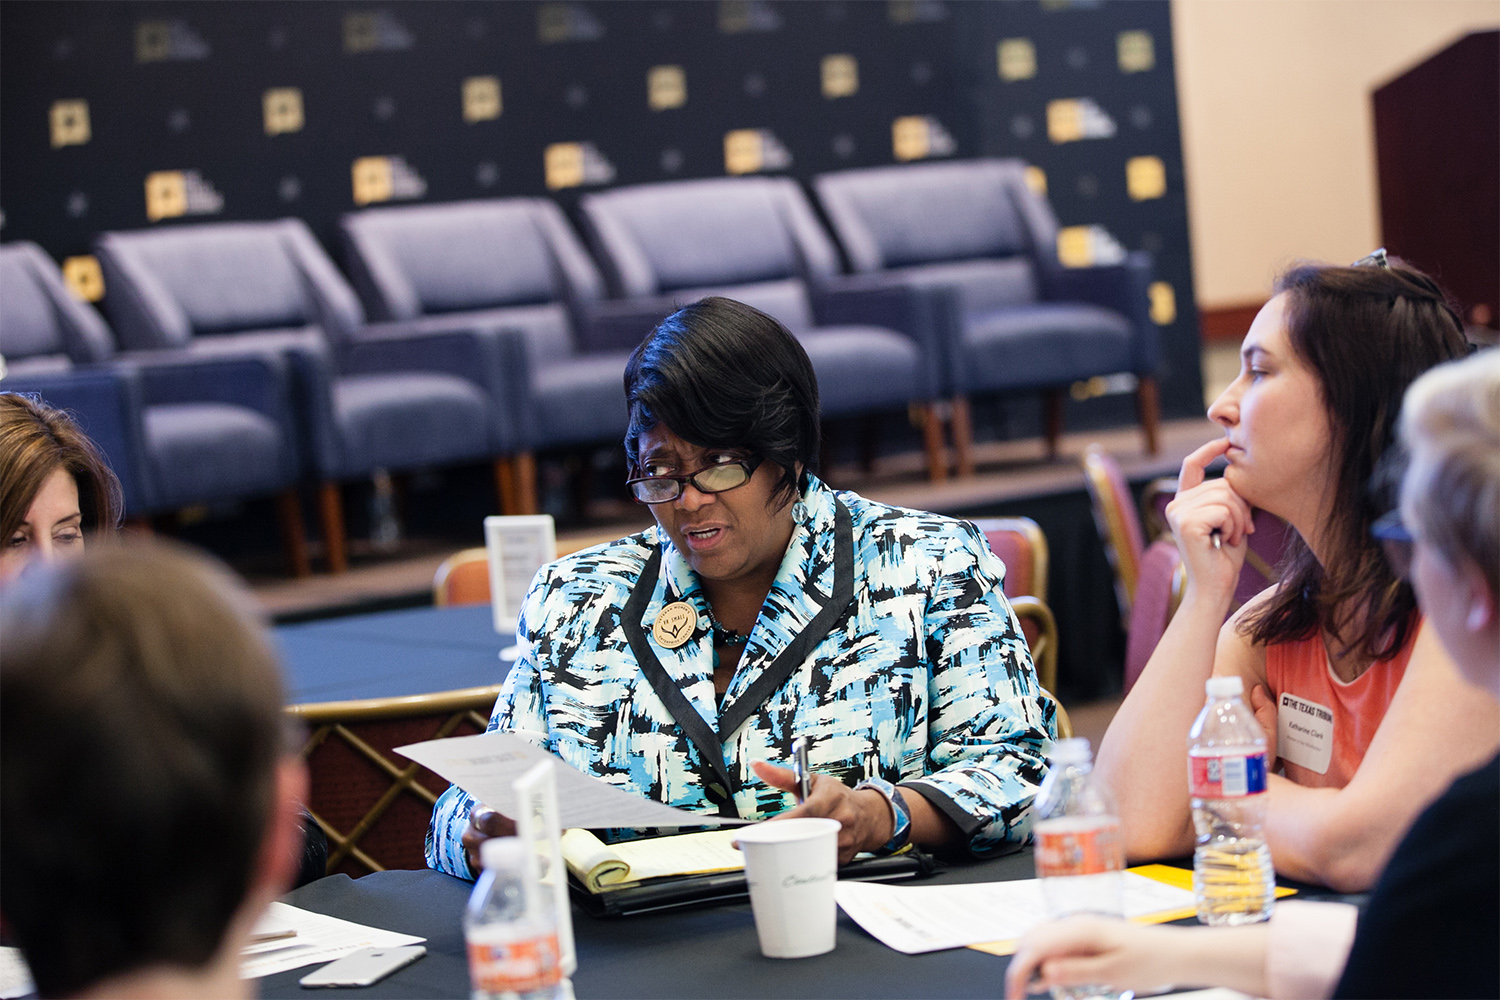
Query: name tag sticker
1304,733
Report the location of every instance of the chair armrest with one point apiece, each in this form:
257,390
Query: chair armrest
620,324
106,402
1123,287
493,358
928,314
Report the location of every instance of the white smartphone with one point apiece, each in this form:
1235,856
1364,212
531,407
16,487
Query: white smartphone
364,967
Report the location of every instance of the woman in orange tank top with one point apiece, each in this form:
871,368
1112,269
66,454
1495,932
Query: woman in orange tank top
1366,717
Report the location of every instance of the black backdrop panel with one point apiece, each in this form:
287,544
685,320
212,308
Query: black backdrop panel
102,100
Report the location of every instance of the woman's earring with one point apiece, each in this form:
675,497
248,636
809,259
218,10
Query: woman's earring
799,512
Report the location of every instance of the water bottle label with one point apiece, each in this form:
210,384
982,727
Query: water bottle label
1227,777
1078,851
525,965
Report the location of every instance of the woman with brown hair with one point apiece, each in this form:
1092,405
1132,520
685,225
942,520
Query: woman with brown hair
55,485
1324,368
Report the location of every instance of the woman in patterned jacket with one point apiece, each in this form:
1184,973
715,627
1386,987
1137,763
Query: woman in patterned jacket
763,607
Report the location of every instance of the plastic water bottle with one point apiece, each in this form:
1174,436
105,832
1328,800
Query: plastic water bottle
510,929
1233,881
1079,853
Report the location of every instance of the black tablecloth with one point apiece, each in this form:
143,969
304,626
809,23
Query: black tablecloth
690,953
392,654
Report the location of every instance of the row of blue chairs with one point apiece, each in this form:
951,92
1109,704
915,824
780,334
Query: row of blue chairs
243,363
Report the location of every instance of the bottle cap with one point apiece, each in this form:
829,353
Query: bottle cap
1225,687
1074,750
502,852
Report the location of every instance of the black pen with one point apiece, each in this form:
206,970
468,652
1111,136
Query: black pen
800,768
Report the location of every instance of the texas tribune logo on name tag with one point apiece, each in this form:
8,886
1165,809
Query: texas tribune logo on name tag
675,625
1304,733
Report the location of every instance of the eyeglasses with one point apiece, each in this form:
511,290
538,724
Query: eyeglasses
1395,538
714,479
1376,259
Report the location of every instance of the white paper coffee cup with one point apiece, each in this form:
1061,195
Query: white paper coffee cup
791,866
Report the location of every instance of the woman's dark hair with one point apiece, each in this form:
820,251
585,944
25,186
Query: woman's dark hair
1367,333
721,374
36,440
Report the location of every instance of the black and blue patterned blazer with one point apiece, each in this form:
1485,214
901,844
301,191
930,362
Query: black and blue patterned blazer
924,677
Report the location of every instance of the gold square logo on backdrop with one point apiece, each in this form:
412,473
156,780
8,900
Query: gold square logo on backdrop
1036,179
282,107
554,22
153,41
743,151
84,278
166,194
481,98
1064,120
360,32
910,137
1135,51
1163,303
70,123
1075,246
563,163
1145,178
666,87
372,179
840,76
1016,58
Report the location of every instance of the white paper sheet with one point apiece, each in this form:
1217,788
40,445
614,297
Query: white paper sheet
486,766
319,939
920,918
15,975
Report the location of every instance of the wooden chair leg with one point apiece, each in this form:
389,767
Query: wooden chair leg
293,536
933,444
515,482
1052,402
963,436
1148,409
331,517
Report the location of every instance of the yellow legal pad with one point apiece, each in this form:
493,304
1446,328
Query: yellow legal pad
1180,878
604,867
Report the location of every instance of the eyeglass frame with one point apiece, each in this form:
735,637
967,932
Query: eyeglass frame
748,464
1396,541
1376,258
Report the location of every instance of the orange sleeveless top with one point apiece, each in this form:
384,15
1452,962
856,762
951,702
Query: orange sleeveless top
1301,669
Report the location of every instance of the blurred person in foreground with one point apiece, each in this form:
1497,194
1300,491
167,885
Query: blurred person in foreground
763,606
1324,367
1431,925
55,486
148,798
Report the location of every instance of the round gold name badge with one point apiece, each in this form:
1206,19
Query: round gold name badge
675,624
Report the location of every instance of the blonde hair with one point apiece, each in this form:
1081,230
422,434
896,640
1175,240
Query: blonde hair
1450,424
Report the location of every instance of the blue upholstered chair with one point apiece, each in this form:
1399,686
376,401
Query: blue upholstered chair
1024,321
503,265
177,430
757,240
366,398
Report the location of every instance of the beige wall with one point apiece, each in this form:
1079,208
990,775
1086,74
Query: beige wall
1277,129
